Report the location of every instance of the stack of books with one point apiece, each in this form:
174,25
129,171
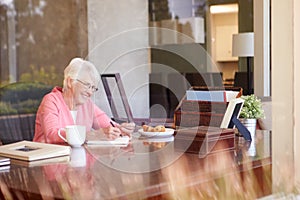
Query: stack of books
4,163
214,95
31,153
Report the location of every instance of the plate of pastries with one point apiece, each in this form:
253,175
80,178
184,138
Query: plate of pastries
159,130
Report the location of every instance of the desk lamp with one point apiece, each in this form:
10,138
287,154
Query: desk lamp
243,46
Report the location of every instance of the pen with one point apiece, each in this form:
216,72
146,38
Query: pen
113,125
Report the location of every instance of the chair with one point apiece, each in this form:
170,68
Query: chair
119,104
197,79
158,96
177,86
205,79
14,128
217,78
240,80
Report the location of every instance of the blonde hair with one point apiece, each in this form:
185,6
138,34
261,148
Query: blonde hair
78,65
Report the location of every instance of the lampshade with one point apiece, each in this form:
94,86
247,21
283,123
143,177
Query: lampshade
243,45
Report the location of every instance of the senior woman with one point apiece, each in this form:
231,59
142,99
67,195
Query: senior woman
72,104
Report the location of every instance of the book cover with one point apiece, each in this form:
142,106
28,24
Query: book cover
214,96
30,151
41,162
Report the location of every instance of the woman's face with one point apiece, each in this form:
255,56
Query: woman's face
83,88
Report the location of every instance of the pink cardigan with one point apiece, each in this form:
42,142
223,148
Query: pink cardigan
53,113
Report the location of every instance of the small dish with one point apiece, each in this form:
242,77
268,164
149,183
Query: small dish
161,139
168,132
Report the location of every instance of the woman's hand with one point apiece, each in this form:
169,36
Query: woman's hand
126,128
117,130
112,132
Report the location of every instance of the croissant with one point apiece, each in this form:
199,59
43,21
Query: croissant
159,128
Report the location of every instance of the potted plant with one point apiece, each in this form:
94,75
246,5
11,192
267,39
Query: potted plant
251,111
252,108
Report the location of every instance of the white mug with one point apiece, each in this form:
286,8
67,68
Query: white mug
75,135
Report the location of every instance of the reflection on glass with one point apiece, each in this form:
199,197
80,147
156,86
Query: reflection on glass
78,157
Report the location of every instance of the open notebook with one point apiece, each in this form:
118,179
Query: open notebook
123,141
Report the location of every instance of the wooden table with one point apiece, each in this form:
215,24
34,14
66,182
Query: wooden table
147,169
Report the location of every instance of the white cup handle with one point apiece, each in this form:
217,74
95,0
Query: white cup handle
61,135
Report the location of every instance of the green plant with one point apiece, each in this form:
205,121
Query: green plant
22,91
6,108
22,97
47,75
28,106
252,108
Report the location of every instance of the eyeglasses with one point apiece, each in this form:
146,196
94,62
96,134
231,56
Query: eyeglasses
88,85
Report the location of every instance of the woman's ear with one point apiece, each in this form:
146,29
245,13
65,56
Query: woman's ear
69,82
